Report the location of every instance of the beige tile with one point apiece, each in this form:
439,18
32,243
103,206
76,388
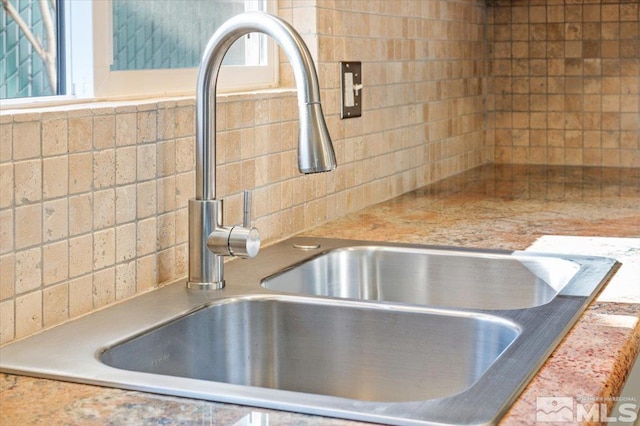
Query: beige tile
28,318
80,296
166,192
126,129
611,140
55,219
80,255
55,137
125,242
28,226
629,122
166,266
55,177
146,126
146,271
6,142
146,162
26,140
104,131
7,231
126,165
146,236
182,226
6,185
104,212
104,248
55,259
629,158
185,154
125,280
629,141
185,121
166,124
146,199
80,214
233,177
7,321
126,202
611,157
104,287
27,181
80,172
56,304
80,134
185,189
7,275
28,270
104,169
166,158
182,261
232,151
166,230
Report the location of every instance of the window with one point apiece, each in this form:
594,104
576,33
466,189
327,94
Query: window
125,48
29,39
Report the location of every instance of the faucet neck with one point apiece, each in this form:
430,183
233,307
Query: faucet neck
303,69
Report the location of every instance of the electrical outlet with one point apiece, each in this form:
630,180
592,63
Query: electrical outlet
351,89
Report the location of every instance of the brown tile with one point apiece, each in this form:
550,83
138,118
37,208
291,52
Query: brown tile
591,13
610,12
591,49
573,31
610,49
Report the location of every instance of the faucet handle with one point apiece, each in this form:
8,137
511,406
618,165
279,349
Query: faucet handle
240,240
244,242
246,209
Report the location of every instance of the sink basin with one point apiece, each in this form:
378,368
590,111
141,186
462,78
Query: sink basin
350,351
360,343
448,278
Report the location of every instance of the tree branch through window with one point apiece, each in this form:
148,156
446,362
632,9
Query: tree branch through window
45,49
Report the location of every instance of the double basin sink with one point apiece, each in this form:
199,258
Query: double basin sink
380,332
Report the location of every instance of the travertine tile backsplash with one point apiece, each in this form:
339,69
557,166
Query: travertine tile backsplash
93,197
565,81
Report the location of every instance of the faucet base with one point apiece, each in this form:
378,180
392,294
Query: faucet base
206,286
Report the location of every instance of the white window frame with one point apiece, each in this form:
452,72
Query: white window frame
89,47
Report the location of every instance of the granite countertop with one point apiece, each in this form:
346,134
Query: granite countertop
578,210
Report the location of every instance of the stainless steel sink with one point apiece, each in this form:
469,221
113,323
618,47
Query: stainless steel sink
350,351
436,277
379,359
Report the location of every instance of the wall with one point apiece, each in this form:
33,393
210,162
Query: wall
565,77
93,197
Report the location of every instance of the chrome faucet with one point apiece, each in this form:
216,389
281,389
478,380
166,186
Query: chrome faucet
209,239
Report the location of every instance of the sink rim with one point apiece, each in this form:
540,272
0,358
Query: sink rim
504,380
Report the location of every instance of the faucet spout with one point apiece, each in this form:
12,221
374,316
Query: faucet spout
315,150
209,239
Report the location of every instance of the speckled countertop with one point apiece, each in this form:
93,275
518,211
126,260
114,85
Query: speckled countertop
558,209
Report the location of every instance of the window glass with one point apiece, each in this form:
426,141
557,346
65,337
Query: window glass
122,48
164,34
28,49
